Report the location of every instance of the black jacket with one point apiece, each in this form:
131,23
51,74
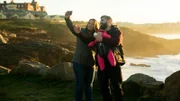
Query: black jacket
83,54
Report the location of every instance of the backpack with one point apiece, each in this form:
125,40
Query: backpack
119,55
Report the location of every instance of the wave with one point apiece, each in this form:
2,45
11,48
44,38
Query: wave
161,66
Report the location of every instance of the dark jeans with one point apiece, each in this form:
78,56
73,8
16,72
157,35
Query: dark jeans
110,80
84,81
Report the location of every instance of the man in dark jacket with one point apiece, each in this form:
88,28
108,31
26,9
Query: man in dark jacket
110,73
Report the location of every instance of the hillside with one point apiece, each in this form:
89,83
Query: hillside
153,28
135,43
56,31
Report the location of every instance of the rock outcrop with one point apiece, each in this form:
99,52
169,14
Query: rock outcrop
140,65
140,85
2,40
63,71
4,70
171,90
26,67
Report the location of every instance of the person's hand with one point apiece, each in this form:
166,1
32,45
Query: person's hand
68,14
77,29
99,37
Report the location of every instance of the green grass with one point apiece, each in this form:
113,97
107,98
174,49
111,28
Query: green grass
34,88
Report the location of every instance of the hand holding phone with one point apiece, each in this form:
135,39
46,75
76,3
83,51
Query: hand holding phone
68,14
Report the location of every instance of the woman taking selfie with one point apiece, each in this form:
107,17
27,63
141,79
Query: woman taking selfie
83,60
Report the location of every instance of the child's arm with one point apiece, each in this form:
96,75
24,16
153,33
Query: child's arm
92,43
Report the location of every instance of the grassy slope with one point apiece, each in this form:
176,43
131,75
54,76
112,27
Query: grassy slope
14,88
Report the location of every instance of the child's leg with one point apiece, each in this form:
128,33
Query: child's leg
100,62
111,58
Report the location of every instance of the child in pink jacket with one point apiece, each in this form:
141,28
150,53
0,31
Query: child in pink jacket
110,55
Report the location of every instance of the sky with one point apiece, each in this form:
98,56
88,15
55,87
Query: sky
134,11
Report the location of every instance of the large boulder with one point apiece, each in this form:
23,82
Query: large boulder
12,35
68,56
4,70
139,85
63,71
171,90
31,68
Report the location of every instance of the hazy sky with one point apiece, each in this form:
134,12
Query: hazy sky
136,11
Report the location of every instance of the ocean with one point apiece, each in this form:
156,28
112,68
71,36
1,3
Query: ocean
161,66
167,36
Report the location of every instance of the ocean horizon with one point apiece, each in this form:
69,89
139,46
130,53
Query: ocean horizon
169,36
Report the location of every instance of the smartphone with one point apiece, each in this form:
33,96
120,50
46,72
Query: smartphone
70,12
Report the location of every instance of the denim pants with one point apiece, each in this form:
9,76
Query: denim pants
84,81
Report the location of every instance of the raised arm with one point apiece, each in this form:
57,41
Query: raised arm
69,22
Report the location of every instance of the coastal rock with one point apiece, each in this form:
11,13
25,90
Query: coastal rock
139,57
12,36
4,70
138,85
2,40
26,67
171,90
67,56
4,33
140,65
63,71
33,50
